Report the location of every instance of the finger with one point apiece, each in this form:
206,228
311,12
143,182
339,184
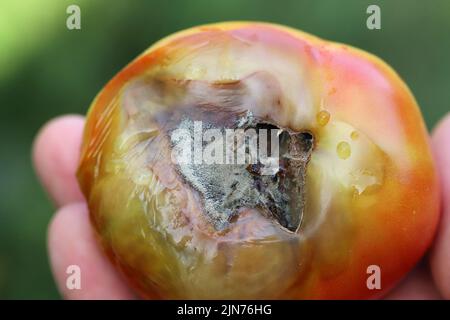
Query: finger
71,242
418,285
440,254
55,156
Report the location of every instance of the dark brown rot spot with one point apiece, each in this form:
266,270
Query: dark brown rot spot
274,184
283,193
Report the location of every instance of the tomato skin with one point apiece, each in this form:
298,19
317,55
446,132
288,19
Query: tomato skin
384,201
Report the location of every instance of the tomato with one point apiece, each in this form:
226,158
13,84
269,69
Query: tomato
354,190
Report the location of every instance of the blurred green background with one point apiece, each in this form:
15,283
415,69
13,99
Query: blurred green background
47,70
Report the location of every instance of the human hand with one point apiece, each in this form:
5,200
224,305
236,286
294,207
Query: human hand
71,239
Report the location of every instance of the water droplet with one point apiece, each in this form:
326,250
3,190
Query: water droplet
323,117
343,150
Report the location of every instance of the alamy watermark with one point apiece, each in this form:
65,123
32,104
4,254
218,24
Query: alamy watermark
73,21
73,280
373,21
373,281
200,145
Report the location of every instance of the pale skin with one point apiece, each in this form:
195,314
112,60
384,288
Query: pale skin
71,240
